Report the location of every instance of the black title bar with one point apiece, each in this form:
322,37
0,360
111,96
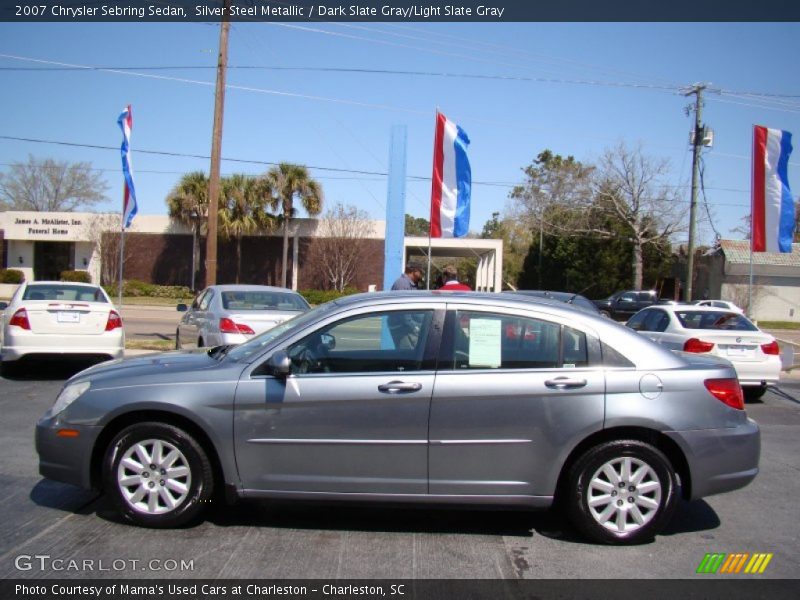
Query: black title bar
493,11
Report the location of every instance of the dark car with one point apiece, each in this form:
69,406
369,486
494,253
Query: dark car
623,305
575,300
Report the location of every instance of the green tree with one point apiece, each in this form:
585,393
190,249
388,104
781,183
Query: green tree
417,226
188,203
243,210
288,183
52,186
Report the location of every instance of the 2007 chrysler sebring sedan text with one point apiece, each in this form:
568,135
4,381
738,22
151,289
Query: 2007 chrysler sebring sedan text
478,399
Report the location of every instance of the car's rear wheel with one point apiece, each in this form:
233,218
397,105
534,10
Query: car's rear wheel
622,492
754,392
157,475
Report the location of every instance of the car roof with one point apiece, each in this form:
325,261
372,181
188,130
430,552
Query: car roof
80,283
236,287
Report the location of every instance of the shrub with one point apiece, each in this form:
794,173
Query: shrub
140,289
315,297
11,276
76,276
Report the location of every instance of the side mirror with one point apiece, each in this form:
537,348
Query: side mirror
280,365
3,305
182,307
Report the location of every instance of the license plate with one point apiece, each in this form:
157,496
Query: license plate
69,317
740,350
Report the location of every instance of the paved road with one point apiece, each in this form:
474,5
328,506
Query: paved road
311,541
150,322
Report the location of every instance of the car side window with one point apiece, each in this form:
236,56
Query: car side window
206,300
494,341
657,320
628,297
197,300
375,342
638,321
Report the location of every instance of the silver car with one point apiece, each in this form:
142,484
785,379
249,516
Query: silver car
476,399
232,314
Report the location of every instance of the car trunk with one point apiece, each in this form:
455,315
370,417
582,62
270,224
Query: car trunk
742,346
67,317
260,321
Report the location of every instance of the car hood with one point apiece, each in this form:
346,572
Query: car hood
155,368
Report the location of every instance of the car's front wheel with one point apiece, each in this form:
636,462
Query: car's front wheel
622,492
157,475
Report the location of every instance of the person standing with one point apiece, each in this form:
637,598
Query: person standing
451,283
410,279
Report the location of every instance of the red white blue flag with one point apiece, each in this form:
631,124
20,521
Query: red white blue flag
772,214
129,207
452,181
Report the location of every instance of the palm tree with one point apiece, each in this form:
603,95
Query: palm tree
289,182
243,203
188,203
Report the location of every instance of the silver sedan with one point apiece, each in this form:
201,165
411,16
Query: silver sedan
232,314
476,399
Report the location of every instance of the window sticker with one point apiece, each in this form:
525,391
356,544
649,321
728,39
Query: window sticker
485,343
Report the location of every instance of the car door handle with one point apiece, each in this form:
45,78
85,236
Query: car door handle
565,383
396,387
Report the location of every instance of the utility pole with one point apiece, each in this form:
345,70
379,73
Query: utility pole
216,147
697,146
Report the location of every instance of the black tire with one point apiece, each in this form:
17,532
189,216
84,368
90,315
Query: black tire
189,493
652,499
754,393
200,342
10,368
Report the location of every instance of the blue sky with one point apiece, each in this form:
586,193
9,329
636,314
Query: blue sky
575,88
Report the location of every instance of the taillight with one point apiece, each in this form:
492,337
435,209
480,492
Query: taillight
227,325
727,391
771,348
697,346
20,319
114,321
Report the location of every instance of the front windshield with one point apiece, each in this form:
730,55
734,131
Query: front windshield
255,345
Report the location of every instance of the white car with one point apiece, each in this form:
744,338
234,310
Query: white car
723,304
706,330
50,319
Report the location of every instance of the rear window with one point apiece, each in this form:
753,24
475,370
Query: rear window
719,320
65,293
256,300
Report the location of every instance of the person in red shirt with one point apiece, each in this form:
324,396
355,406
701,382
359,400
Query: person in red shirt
451,283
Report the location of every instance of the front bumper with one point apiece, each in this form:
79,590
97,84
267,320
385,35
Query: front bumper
65,459
720,460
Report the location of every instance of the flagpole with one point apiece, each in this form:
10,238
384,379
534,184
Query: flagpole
750,286
430,214
121,254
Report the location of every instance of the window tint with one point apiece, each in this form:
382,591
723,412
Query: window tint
612,358
258,300
206,300
392,341
637,321
728,321
67,293
657,320
493,341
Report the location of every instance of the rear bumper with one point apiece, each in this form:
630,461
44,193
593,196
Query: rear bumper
720,460
18,345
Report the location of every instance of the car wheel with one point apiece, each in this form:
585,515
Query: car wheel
200,342
754,393
157,475
621,492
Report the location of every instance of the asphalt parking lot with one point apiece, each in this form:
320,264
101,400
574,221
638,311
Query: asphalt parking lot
81,537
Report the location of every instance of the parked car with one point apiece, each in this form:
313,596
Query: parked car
623,305
716,332
575,300
723,304
51,319
232,314
412,397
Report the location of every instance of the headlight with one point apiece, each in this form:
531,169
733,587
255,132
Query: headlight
68,395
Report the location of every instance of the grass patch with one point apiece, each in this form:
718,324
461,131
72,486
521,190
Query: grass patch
155,345
779,325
